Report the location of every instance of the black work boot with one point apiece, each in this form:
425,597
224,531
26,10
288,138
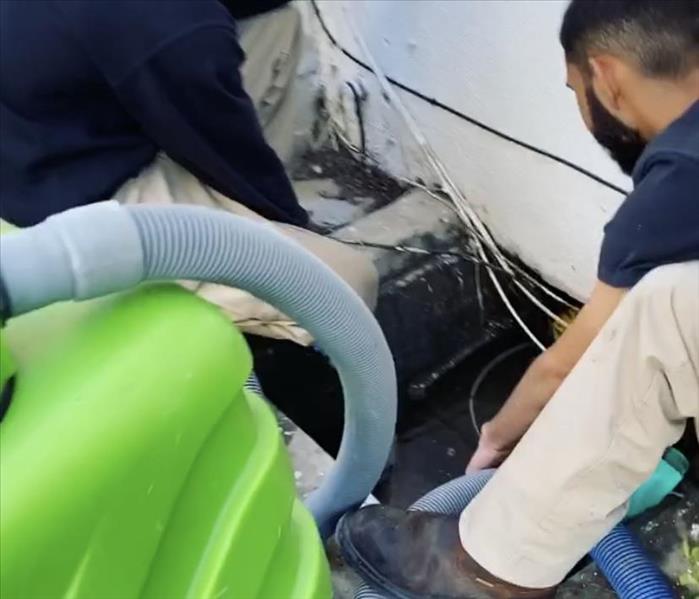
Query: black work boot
415,555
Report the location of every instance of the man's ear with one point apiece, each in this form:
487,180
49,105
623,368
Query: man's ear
605,81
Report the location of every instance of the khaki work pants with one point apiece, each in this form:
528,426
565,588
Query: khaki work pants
166,182
272,44
601,436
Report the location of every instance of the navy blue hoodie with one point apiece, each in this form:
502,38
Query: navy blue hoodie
90,91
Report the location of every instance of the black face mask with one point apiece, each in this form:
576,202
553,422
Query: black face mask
624,144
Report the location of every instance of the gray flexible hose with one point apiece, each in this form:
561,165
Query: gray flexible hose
104,248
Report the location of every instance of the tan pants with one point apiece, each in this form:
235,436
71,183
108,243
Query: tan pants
273,44
166,182
601,436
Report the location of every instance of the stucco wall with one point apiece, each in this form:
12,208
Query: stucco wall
500,62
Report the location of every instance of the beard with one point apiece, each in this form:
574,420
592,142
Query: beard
624,144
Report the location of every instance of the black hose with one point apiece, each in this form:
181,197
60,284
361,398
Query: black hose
359,113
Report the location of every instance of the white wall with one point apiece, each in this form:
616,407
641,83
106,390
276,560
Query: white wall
498,61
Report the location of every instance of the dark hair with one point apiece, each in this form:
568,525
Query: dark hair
661,36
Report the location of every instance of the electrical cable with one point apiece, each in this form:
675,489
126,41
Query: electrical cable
459,114
481,236
508,270
360,117
482,376
409,249
463,208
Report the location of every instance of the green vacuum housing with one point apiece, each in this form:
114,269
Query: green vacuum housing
133,463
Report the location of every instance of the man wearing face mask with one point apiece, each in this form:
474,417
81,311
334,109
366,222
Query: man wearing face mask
591,418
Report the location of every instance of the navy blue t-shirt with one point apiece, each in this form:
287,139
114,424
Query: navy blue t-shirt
90,91
658,223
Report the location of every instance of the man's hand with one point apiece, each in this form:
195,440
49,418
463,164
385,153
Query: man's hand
500,436
488,455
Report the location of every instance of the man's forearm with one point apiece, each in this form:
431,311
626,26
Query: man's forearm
542,380
548,371
533,392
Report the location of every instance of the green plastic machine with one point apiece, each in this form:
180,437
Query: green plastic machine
135,464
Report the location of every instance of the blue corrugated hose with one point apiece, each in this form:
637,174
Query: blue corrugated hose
628,569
